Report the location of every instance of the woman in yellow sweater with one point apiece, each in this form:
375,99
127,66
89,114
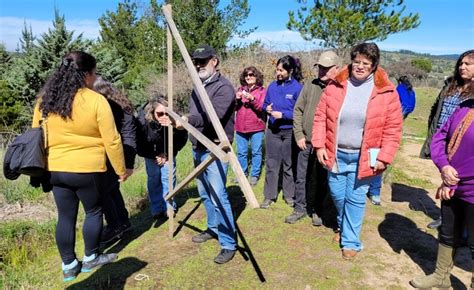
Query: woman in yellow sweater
80,134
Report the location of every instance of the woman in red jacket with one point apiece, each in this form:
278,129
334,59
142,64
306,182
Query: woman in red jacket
356,132
249,123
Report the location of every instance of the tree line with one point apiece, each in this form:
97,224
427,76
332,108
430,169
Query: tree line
131,47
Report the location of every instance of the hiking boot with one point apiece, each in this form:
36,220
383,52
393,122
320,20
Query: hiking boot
316,220
348,254
160,215
110,234
266,203
289,201
435,223
224,256
294,217
375,199
126,227
203,237
440,278
253,180
71,274
100,260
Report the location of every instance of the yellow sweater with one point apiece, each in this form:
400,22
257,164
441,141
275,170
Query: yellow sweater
80,144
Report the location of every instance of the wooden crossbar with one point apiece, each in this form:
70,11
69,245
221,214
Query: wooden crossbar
198,170
214,148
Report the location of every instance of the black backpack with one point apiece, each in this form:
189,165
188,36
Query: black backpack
26,155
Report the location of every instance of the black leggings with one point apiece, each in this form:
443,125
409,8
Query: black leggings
457,216
112,202
68,190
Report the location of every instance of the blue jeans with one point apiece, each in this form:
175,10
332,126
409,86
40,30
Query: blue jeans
213,192
348,194
256,140
376,185
157,185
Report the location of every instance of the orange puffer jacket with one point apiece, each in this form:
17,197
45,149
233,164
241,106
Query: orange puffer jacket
383,124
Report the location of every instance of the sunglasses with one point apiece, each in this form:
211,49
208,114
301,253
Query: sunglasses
161,114
201,61
249,75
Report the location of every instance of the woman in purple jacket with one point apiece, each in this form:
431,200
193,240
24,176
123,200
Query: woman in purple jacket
249,121
452,151
279,141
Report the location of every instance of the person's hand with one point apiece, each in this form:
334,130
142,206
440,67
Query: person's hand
123,178
301,143
379,166
248,96
129,172
164,120
276,114
449,175
178,125
161,159
444,192
322,155
269,108
238,95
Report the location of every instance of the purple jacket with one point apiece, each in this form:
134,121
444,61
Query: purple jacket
249,116
463,159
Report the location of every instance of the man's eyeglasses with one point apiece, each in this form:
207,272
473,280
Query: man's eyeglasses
249,75
201,61
161,114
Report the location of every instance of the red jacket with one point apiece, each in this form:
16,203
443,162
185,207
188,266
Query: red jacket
249,116
383,125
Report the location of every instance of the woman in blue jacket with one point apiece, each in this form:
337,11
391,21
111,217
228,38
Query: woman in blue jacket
279,103
407,95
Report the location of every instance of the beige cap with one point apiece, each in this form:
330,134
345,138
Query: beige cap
328,59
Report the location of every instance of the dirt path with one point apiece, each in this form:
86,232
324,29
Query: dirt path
403,247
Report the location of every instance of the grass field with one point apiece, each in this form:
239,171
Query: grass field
271,254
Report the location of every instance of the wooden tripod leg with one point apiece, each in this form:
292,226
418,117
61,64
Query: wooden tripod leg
243,182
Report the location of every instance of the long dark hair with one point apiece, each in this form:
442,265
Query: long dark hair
256,72
63,84
457,81
293,65
406,81
105,88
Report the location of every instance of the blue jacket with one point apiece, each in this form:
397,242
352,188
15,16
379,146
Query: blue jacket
407,99
283,96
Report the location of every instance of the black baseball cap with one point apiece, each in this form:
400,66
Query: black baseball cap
203,51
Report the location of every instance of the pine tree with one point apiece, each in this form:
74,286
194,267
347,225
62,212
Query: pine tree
343,23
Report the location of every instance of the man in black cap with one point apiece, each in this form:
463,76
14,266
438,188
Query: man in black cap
212,181
303,116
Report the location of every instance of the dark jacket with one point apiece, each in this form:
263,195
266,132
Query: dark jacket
432,122
305,108
125,123
222,96
152,137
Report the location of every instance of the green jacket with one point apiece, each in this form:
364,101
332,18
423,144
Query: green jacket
305,107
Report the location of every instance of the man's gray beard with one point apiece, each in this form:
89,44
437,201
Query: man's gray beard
204,74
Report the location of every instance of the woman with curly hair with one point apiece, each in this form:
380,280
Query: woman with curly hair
152,134
249,120
113,205
80,136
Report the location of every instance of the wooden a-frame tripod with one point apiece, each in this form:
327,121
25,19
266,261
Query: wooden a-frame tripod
223,151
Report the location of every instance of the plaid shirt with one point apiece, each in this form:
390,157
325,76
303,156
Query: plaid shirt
450,104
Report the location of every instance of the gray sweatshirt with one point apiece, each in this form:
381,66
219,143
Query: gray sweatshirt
353,114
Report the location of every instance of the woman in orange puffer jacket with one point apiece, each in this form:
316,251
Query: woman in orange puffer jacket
359,112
